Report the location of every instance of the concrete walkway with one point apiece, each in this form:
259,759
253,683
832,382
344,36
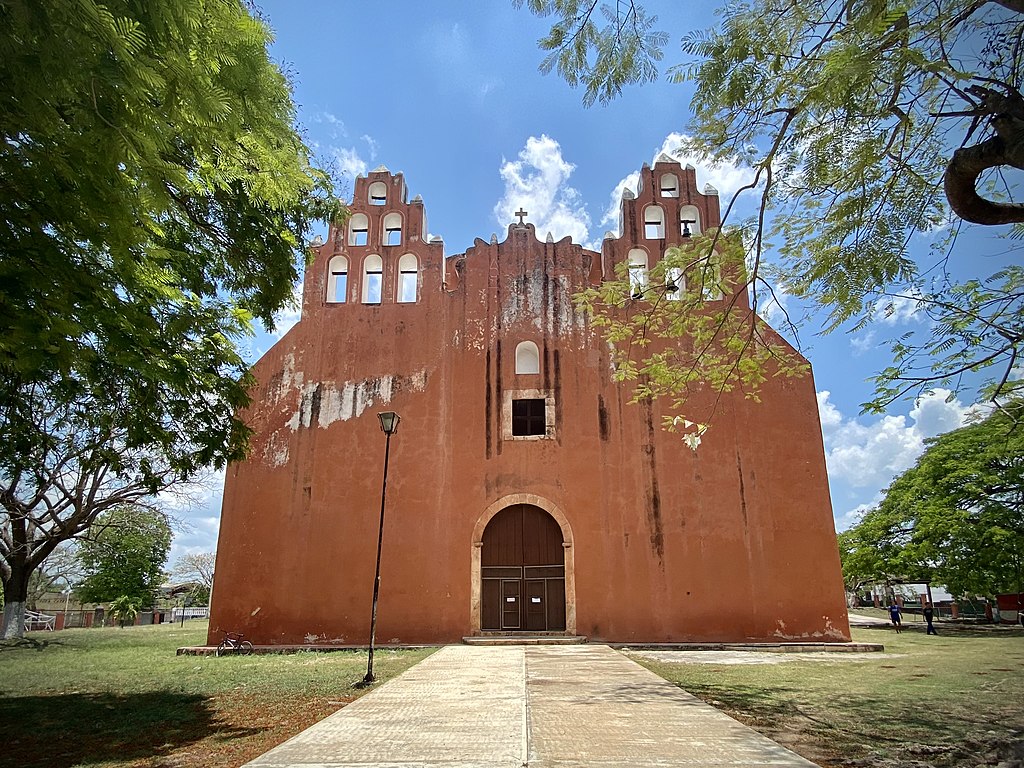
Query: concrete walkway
537,706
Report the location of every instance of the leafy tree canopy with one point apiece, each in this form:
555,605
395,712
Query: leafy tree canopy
957,516
124,555
156,198
864,123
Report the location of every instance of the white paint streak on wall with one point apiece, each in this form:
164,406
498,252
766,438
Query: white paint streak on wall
327,402
275,451
330,403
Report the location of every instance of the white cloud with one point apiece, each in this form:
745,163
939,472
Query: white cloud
349,162
774,306
866,455
863,342
537,182
896,310
610,220
831,418
288,317
337,125
372,144
851,517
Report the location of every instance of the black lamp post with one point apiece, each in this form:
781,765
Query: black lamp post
389,426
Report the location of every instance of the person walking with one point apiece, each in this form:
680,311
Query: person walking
896,616
929,614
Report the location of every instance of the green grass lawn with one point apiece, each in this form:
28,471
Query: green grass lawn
101,698
956,699
121,697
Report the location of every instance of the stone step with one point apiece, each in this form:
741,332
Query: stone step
539,638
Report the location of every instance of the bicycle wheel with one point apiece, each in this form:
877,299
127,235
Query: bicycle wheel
223,647
245,647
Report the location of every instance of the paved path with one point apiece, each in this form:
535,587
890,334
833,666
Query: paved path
539,706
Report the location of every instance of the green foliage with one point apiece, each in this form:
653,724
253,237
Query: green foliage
684,331
123,610
956,516
848,115
124,556
156,200
602,59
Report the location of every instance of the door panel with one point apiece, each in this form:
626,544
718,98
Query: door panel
522,571
510,608
490,615
556,604
536,608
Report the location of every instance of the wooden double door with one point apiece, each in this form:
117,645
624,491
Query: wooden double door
523,572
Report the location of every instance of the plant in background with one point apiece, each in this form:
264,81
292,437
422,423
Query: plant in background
124,556
123,610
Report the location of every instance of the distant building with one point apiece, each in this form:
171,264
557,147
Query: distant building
526,493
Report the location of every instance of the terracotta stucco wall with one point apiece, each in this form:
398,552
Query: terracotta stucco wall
732,542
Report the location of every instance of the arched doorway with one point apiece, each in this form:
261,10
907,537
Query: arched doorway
522,572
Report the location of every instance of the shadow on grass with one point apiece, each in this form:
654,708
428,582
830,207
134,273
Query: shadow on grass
859,728
28,643
79,728
984,631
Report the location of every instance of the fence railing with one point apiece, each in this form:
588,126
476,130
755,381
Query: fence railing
97,617
193,612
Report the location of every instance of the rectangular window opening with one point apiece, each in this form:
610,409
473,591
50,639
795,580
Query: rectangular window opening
374,284
340,287
528,417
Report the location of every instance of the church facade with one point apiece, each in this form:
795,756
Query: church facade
525,492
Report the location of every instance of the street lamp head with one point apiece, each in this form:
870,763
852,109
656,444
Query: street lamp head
389,422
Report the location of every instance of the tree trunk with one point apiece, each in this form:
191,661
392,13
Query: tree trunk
15,597
14,620
1005,148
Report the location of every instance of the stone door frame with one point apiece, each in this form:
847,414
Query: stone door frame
476,548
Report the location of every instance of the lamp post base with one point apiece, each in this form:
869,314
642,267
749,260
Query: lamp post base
366,682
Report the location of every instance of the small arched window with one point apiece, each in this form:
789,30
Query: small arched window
408,279
527,358
393,229
358,229
373,279
337,280
654,222
689,220
669,185
378,193
712,280
637,272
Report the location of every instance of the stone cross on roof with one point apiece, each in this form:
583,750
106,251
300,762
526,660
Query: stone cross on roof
520,213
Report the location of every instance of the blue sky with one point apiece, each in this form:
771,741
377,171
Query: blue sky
449,93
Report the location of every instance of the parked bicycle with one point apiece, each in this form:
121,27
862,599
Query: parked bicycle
233,643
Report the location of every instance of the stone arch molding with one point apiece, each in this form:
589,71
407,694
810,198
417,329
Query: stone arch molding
477,544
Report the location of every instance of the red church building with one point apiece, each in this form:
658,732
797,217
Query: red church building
526,493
